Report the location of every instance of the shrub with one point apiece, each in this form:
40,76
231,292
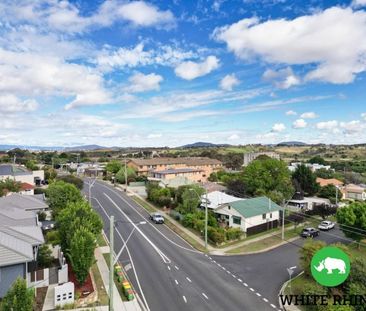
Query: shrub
53,237
42,216
216,235
233,233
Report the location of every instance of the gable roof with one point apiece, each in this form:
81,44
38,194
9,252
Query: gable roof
23,202
329,181
254,207
29,234
183,160
13,250
217,198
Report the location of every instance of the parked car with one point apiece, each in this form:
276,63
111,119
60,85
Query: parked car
309,232
157,218
326,225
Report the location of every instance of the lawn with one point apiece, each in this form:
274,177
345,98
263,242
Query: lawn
118,285
275,239
102,294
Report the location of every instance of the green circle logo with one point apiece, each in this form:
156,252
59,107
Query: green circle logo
330,266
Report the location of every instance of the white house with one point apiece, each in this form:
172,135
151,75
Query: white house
313,166
307,203
354,192
217,199
21,174
251,215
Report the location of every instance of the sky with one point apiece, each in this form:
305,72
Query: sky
168,73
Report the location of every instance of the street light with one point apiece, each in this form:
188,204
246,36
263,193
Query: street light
206,212
290,273
113,261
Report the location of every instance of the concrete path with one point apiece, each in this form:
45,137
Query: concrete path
49,301
118,304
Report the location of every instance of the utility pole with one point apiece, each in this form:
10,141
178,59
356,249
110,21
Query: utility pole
336,198
125,174
111,267
206,218
283,222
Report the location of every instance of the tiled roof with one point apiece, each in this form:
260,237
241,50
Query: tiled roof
183,160
330,181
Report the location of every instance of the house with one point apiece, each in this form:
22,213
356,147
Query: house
26,189
329,181
354,192
251,156
313,166
21,174
20,238
250,215
217,199
307,203
197,169
173,182
35,203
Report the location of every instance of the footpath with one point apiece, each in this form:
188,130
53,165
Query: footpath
198,241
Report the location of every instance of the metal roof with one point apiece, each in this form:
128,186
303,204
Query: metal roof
13,250
177,171
13,170
255,207
182,160
30,234
23,202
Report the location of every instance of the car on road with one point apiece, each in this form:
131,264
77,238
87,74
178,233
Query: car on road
309,232
157,218
326,225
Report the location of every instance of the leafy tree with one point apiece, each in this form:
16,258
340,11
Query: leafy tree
81,253
19,297
317,159
114,166
352,220
324,173
31,165
131,175
306,179
236,187
75,216
323,210
49,173
191,199
44,258
330,192
263,176
71,179
307,252
8,185
59,194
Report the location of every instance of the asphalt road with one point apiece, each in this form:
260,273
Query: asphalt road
167,273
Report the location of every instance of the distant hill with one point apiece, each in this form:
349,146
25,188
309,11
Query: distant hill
83,148
203,145
292,143
9,147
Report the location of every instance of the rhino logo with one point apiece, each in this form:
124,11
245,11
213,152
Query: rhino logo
330,266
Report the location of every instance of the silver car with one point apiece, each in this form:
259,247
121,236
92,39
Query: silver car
326,225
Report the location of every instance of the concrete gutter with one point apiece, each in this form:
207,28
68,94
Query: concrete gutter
288,308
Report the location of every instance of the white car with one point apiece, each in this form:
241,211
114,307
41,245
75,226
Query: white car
326,225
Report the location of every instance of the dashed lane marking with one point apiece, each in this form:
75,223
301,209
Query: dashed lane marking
251,289
188,279
258,294
176,267
168,268
176,282
204,295
185,299
265,299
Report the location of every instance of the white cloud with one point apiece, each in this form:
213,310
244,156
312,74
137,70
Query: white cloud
191,70
363,115
142,83
9,103
151,136
233,137
327,125
317,39
228,82
141,13
352,127
299,124
278,127
282,79
291,113
309,115
358,3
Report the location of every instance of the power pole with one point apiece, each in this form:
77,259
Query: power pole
111,267
125,174
206,219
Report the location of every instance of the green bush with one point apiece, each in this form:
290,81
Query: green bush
53,237
233,233
216,235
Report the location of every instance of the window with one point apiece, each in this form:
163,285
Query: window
236,220
270,215
264,216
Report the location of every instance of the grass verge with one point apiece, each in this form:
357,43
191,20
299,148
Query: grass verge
102,293
100,240
118,285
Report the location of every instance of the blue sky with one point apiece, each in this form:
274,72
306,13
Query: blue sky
167,73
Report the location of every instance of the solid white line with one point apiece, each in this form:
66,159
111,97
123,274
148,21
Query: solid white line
273,306
188,279
185,299
294,267
258,294
251,289
176,282
161,254
204,295
176,267
129,255
265,299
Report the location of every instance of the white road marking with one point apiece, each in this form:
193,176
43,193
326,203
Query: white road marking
160,253
176,267
228,271
219,265
176,282
168,268
251,289
223,268
204,295
188,279
240,280
210,258
214,261
265,299
245,284
185,299
273,306
234,276
258,294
